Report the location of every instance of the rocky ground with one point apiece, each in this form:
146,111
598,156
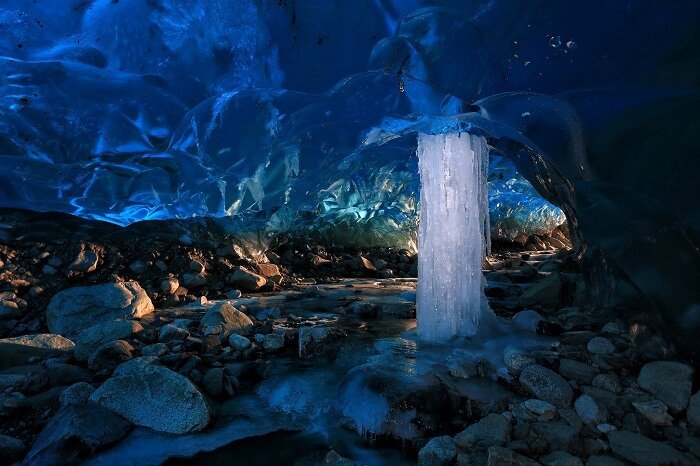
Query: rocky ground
162,326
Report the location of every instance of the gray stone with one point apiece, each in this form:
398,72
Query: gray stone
542,410
138,267
76,394
654,411
641,450
239,342
111,354
668,381
499,456
694,410
492,430
557,434
515,359
601,460
74,432
155,397
61,374
17,351
578,371
547,292
244,279
439,451
589,410
11,448
600,345
608,382
224,319
85,262
156,349
196,266
79,308
9,310
169,286
315,340
213,381
93,337
170,332
194,280
273,341
334,459
560,458
547,385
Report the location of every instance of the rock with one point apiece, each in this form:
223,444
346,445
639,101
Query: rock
192,280
492,430
599,460
169,286
548,292
155,397
93,337
499,456
79,308
515,359
273,341
213,381
668,381
271,272
315,340
542,410
156,349
170,332
244,279
138,267
694,410
440,451
108,356
578,371
49,270
76,394
75,432
9,310
22,350
86,262
547,385
654,411
608,382
527,320
224,319
589,410
61,374
196,266
600,345
334,459
557,434
11,448
318,261
560,458
234,294
364,264
641,450
239,342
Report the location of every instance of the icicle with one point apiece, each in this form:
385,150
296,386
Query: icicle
453,234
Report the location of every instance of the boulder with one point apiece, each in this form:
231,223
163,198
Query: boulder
440,451
670,382
75,432
76,394
194,280
561,458
154,397
270,272
638,449
600,345
548,292
111,354
76,309
589,410
315,340
85,262
694,410
499,456
493,430
22,350
273,341
547,385
244,279
170,332
224,319
93,337
578,371
239,342
169,286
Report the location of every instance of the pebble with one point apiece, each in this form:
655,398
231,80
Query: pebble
589,410
600,345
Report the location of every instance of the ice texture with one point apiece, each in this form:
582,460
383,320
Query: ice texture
453,235
300,117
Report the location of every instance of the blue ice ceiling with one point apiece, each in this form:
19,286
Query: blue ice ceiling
289,110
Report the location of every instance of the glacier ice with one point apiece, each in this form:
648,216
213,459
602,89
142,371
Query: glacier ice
452,237
305,114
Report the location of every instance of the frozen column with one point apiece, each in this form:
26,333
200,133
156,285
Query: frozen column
452,235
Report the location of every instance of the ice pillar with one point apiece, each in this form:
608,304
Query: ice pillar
452,236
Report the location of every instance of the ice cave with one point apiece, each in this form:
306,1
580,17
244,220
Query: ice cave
367,232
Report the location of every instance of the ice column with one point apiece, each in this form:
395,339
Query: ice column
453,234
